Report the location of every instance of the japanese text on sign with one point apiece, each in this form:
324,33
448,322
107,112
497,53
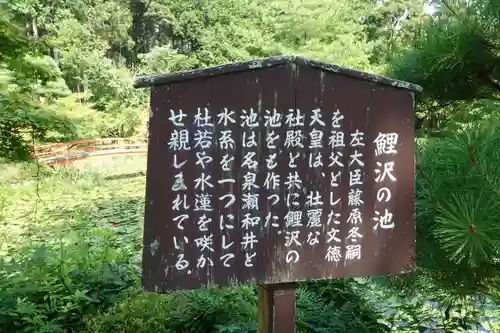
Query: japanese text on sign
235,211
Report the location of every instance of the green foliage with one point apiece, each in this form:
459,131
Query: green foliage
335,306
452,61
63,260
94,50
47,197
457,193
66,72
45,288
391,26
235,310
90,123
25,80
103,228
214,32
108,86
456,56
415,304
215,310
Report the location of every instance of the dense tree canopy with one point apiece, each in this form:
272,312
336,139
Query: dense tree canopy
90,51
26,81
83,55
456,57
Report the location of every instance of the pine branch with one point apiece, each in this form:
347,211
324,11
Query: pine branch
449,7
472,159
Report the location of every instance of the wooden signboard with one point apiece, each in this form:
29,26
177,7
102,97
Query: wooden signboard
275,171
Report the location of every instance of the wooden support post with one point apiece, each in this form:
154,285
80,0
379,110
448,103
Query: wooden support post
277,308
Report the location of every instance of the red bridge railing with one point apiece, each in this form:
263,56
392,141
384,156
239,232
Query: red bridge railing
68,152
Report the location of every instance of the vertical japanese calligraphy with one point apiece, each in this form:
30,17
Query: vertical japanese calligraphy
250,190
277,170
355,196
294,143
274,150
203,187
227,185
385,150
314,199
178,144
272,182
336,145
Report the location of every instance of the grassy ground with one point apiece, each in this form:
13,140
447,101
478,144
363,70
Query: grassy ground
36,204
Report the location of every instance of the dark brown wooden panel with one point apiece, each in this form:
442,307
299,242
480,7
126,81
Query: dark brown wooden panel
285,208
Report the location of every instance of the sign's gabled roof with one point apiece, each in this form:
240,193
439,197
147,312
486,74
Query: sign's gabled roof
160,79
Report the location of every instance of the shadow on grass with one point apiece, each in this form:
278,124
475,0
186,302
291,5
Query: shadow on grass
126,176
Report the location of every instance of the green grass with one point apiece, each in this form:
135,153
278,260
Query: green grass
79,217
38,203
70,241
101,202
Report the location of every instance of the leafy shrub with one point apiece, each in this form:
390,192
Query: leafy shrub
49,287
234,310
332,306
425,308
89,123
212,310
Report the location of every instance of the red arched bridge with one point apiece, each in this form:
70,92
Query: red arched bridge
68,152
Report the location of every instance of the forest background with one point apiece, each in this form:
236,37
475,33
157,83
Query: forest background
71,236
